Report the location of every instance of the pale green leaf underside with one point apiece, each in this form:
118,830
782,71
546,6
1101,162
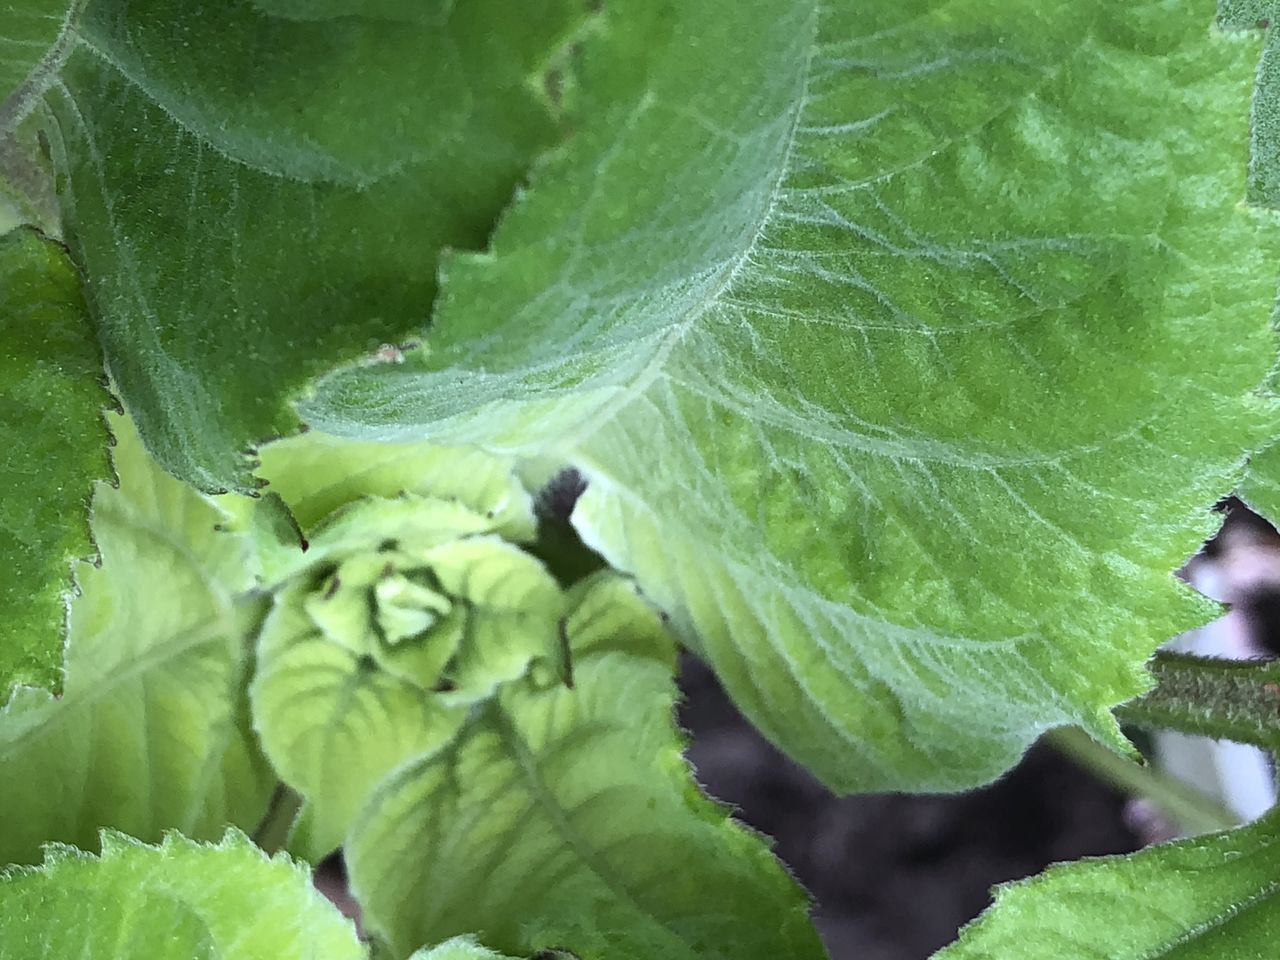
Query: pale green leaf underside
905,344
150,732
180,900
254,197
566,816
54,445
1210,898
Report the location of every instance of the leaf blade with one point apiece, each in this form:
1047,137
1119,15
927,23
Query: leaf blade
951,332
1209,897
52,405
255,198
178,899
151,731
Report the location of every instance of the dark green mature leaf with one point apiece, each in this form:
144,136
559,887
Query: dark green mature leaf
1211,898
904,345
256,192
53,445
564,815
151,731
179,900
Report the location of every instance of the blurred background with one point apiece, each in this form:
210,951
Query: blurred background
895,876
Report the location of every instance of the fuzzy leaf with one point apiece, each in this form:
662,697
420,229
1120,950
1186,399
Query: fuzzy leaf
180,900
151,730
1261,486
904,345
565,816
54,445
1210,898
256,192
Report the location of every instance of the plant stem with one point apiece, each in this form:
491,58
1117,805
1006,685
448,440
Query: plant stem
274,829
22,100
1224,699
1192,810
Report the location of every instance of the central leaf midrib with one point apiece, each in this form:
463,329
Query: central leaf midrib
527,763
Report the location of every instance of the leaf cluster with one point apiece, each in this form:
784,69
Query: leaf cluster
899,351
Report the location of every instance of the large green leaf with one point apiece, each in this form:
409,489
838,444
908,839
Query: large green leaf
1211,898
151,731
564,815
258,191
54,445
904,344
180,900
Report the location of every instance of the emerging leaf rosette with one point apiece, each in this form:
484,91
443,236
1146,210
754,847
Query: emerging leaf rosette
403,613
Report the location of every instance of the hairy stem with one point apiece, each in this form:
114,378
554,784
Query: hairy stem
1224,699
1190,809
21,101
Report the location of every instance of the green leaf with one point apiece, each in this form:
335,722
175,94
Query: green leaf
564,815
255,194
459,948
1210,898
54,443
316,475
1261,486
151,730
180,900
903,344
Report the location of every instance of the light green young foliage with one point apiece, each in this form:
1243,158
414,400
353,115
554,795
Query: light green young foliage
1211,898
563,814
905,344
54,446
180,900
410,614
256,192
150,732
336,706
